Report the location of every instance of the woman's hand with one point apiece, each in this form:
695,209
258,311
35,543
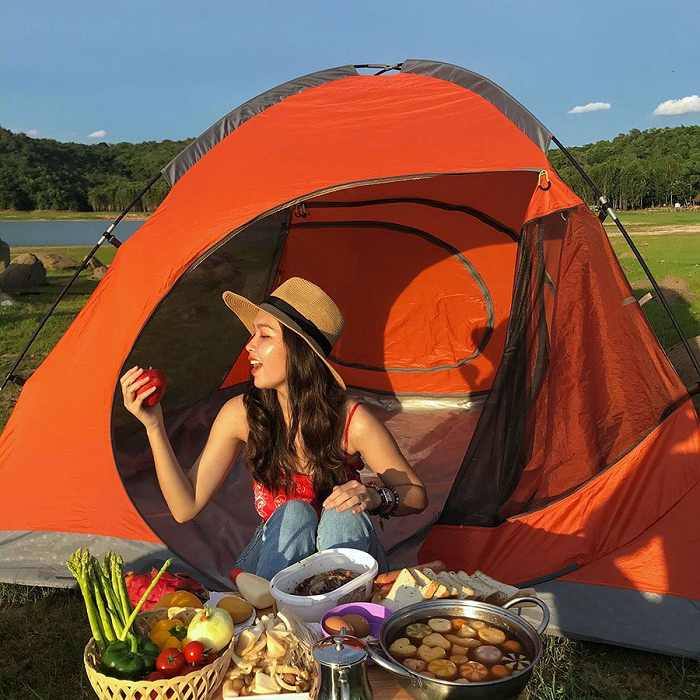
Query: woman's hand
150,416
353,495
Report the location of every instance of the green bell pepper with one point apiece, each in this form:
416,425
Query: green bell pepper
131,659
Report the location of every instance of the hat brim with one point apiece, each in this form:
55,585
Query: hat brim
247,311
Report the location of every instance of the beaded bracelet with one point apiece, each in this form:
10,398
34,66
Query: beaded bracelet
390,501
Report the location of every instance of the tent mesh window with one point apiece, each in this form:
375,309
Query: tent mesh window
574,391
195,339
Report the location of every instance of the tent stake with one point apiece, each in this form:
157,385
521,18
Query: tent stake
607,209
107,236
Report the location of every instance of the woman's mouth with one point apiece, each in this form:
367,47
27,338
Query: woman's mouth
255,365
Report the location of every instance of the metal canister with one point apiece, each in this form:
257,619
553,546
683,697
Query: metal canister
341,669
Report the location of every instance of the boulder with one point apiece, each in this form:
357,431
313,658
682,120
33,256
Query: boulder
98,272
26,259
6,300
4,255
98,269
20,275
58,261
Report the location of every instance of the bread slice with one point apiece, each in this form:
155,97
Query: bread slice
405,591
479,590
442,590
464,592
446,580
429,586
503,591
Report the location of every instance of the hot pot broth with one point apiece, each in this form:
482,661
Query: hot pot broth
459,649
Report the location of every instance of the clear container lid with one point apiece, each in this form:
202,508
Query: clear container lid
340,651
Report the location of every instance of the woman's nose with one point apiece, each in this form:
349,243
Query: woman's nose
250,345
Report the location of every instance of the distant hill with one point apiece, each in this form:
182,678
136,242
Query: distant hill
48,174
635,170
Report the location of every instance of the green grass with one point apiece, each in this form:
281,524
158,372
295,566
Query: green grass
655,217
670,257
43,630
54,215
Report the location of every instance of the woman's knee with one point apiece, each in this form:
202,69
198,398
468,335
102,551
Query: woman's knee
293,516
335,527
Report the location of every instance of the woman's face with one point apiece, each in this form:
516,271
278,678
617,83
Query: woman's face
267,353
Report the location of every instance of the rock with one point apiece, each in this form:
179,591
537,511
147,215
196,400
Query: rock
21,275
57,261
4,255
98,272
98,269
25,259
6,300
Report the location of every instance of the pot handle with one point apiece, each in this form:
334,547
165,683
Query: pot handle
536,601
390,666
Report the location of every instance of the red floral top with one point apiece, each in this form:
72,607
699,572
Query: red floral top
266,502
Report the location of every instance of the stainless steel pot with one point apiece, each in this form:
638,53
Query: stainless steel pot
424,688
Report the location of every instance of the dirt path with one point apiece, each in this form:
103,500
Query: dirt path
647,230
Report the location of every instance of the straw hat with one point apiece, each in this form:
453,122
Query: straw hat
302,307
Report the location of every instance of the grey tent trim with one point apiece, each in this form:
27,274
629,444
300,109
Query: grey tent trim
532,127
497,96
179,165
36,558
664,624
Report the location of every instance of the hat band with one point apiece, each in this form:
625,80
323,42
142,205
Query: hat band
307,326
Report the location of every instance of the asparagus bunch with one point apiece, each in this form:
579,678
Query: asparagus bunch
106,598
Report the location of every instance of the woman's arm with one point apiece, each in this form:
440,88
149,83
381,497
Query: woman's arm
383,456
187,494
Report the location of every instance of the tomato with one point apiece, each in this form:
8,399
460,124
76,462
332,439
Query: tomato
192,669
157,380
170,662
210,657
194,652
155,676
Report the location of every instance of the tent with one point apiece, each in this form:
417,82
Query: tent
488,324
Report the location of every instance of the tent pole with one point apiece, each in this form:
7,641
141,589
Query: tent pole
607,209
107,236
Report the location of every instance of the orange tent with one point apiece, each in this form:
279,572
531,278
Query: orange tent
488,323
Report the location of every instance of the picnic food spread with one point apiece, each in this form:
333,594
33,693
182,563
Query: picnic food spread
175,638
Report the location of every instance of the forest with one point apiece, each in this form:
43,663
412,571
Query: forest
640,169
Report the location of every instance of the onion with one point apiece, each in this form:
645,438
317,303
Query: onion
213,627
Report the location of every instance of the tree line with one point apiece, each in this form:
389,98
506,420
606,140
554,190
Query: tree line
635,170
641,169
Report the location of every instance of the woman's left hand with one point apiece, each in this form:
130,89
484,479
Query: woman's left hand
353,495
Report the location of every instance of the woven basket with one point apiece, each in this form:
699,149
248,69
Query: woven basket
198,685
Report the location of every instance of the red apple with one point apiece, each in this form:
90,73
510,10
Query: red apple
158,381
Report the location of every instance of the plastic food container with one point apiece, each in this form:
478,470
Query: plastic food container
312,608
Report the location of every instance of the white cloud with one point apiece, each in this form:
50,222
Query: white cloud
99,134
32,132
685,105
590,107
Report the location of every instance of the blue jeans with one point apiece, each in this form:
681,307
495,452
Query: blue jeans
294,531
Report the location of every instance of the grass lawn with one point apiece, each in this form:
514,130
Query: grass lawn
43,630
54,215
655,217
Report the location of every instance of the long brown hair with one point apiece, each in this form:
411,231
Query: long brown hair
317,408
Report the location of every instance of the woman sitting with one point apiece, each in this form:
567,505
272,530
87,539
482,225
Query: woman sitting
303,438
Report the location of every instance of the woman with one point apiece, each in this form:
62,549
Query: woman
303,440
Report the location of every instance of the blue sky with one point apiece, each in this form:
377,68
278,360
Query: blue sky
154,70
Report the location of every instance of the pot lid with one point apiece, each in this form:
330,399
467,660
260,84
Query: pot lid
340,651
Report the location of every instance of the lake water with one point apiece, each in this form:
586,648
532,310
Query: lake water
53,233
